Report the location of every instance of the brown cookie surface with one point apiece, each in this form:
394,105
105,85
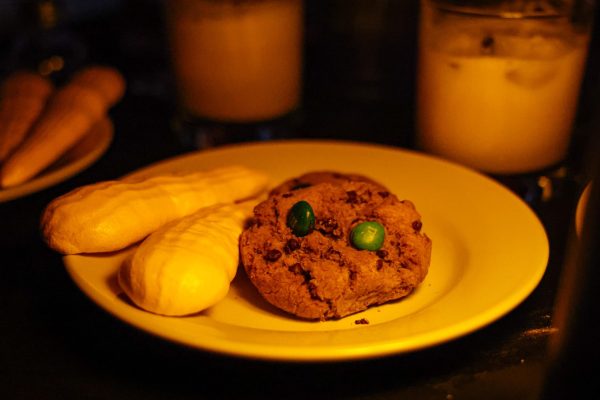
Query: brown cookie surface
315,177
323,275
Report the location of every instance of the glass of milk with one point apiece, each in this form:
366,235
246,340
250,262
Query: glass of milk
236,62
498,82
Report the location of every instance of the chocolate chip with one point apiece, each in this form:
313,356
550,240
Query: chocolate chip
312,290
249,223
400,247
352,275
310,250
334,255
487,45
352,197
291,245
329,223
301,185
417,225
362,321
381,253
273,255
384,194
299,270
328,226
379,264
296,269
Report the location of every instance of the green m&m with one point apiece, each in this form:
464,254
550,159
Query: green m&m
301,218
368,236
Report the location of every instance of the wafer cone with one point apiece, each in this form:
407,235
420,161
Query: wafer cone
106,80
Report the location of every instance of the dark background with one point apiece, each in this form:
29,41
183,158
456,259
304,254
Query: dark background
359,85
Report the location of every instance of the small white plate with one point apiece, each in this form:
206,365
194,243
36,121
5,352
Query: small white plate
78,158
489,253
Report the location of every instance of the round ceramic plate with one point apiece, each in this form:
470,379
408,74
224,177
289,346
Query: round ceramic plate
489,252
78,158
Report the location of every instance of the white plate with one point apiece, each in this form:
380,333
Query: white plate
78,158
489,253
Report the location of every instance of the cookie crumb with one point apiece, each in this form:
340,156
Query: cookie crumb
272,255
362,321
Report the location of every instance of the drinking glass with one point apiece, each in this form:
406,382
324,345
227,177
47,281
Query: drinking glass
499,81
236,63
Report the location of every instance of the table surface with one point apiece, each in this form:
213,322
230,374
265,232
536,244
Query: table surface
55,343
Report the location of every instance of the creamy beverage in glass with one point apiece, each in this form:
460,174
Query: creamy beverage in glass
236,60
498,92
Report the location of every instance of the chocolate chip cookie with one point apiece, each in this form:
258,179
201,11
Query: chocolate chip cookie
362,247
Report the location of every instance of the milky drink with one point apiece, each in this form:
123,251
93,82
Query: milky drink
499,96
236,60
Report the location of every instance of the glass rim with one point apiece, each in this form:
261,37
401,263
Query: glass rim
495,12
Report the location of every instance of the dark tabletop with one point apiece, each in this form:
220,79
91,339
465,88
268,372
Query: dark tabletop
56,343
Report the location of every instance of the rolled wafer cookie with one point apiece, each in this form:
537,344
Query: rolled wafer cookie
187,265
111,215
70,113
